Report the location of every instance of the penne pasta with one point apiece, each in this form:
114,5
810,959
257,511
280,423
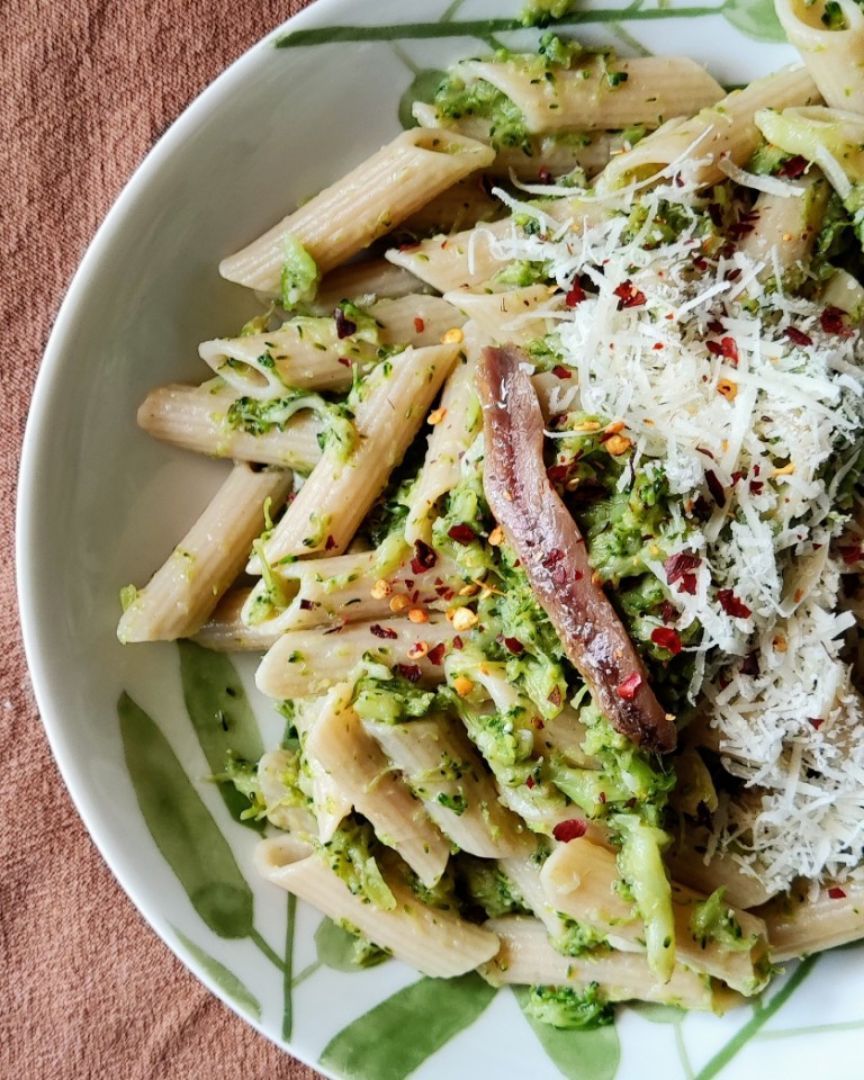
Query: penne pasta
364,280
367,203
514,316
525,957
331,803
831,44
556,154
727,128
452,262
579,879
351,588
592,96
786,228
196,418
436,942
686,862
459,422
304,662
799,925
181,595
316,354
225,630
449,777
339,493
364,776
461,206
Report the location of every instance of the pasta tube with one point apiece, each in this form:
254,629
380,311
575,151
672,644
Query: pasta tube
592,97
362,773
799,924
196,418
525,957
181,595
834,54
727,128
367,203
450,778
339,493
435,942
305,662
579,879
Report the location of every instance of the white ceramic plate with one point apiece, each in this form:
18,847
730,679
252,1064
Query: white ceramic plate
272,129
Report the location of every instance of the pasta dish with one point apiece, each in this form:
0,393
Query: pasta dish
545,511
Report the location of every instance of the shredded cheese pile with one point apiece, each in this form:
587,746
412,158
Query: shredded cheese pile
752,402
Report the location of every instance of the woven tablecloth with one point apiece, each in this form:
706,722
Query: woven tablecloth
86,988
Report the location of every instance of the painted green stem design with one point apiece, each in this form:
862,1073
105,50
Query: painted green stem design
479,28
226,980
760,1017
390,1041
221,715
593,1054
182,826
288,970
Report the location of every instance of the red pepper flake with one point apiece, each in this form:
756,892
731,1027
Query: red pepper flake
732,275
715,487
462,533
798,336
554,556
817,722
530,782
756,487
679,180
329,544
572,829
458,643
345,327
382,631
306,605
688,584
793,168
411,672
716,327
668,611
419,324
700,264
578,575
750,665
628,689
714,347
658,345
513,645
561,372
557,474
729,349
667,638
851,555
836,893
424,557
732,605
436,655
544,176
575,295
344,361
833,321
676,566
629,296
554,697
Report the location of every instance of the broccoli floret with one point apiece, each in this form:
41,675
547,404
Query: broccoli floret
714,920
350,856
490,888
300,275
564,1007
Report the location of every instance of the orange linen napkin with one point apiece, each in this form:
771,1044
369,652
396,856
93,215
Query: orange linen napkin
86,988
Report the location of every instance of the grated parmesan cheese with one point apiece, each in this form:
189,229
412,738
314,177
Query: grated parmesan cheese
794,731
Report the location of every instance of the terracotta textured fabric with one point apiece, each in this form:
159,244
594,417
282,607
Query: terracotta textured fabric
86,988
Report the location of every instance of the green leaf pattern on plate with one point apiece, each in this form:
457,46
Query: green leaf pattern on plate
390,1041
183,827
226,980
221,715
